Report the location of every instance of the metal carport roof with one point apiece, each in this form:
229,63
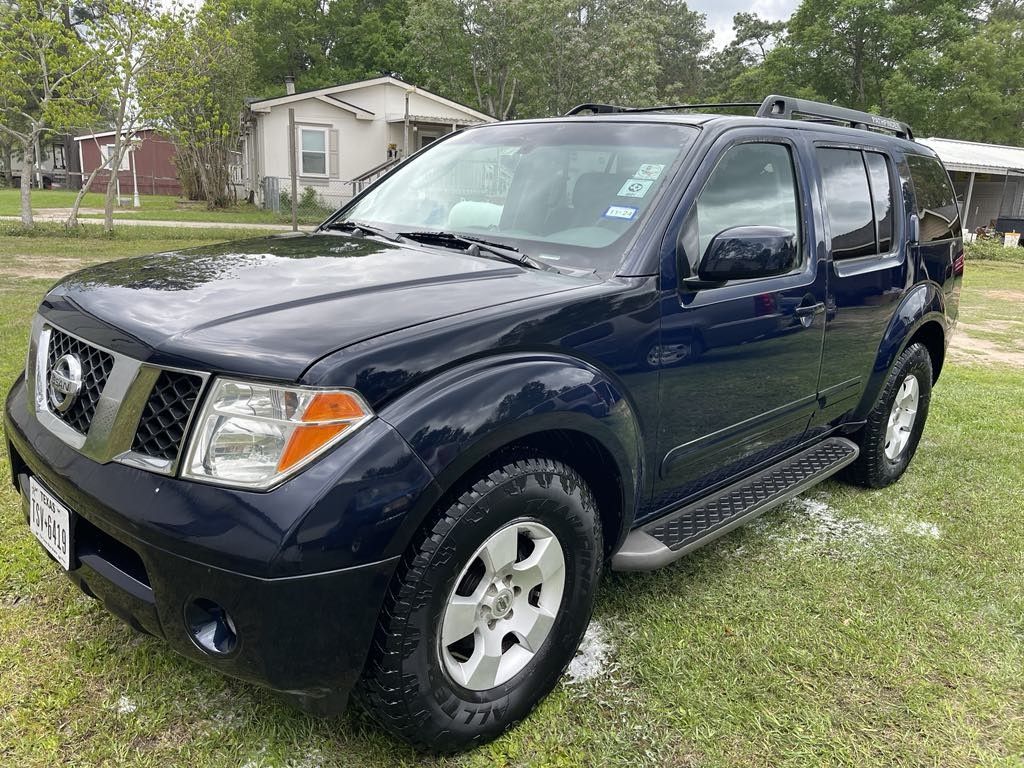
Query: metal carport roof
974,157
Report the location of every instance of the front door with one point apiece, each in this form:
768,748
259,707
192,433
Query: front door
739,363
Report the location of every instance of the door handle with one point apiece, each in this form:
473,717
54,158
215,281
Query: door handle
807,312
810,310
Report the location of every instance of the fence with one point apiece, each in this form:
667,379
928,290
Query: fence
58,178
314,202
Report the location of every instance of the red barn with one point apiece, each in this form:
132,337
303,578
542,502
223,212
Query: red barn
150,163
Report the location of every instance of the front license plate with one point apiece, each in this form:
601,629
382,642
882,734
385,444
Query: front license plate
50,522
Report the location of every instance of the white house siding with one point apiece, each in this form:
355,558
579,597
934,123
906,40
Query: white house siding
362,138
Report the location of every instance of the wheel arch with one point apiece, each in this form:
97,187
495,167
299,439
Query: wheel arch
554,405
920,317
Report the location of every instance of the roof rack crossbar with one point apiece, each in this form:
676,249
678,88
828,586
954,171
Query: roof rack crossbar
614,109
717,105
775,106
597,109
788,108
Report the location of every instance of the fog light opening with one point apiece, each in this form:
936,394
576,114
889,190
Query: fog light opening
211,627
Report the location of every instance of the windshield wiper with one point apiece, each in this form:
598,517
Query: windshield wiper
474,245
365,229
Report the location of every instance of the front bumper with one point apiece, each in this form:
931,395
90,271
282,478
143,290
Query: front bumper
303,598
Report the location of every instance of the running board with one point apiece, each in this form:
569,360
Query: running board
678,533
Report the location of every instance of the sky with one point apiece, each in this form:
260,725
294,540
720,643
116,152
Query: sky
720,13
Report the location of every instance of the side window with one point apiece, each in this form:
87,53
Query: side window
752,185
881,198
848,203
936,201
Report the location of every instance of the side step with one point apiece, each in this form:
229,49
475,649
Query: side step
680,532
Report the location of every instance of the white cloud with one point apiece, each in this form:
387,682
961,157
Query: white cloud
720,14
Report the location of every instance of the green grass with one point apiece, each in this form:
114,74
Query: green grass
858,628
154,208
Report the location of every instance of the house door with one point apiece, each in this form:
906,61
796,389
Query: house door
427,137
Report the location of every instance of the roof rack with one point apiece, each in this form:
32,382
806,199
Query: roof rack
788,108
779,107
604,109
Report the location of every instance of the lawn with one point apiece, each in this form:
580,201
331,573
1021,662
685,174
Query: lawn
850,627
154,208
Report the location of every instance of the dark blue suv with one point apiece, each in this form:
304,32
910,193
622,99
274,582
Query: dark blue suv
393,455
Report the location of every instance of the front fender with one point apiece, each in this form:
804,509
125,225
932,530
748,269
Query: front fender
462,416
923,303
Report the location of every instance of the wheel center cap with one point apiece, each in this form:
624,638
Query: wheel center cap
502,604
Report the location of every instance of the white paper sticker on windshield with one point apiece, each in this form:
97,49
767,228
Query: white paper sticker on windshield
649,171
635,188
620,212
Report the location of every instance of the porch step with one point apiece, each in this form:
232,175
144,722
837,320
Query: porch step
678,533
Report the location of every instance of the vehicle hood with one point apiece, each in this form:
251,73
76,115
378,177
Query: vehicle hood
272,306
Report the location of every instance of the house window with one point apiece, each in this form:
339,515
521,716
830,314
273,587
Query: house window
106,150
313,151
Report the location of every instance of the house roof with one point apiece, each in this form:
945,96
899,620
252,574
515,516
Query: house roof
974,157
332,93
104,134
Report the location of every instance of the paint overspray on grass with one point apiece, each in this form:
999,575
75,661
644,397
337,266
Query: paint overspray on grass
593,656
125,706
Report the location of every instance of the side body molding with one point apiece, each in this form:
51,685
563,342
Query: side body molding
923,303
458,418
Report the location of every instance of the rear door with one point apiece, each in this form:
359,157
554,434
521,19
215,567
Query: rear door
865,209
739,363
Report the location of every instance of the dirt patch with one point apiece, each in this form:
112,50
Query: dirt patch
1016,296
63,213
994,326
965,348
39,267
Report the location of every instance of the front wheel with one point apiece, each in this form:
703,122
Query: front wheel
487,610
889,439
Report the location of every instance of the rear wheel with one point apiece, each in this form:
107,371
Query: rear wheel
487,610
889,439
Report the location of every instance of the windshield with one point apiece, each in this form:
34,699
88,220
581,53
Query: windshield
568,194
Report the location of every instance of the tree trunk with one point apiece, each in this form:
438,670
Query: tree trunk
27,164
72,220
115,170
8,156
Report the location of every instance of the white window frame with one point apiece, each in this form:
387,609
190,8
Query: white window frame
326,153
106,150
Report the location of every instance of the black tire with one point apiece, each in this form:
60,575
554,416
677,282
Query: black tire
405,685
873,468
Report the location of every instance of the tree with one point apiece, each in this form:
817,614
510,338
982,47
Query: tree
196,87
48,81
300,38
539,57
124,38
974,91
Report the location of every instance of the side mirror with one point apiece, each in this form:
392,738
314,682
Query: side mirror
746,253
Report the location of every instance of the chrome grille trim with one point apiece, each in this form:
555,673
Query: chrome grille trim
118,410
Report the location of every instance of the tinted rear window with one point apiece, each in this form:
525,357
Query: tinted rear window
848,197
936,201
881,194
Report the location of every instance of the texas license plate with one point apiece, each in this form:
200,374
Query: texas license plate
50,521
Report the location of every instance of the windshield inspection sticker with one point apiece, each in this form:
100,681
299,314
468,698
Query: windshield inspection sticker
620,212
635,188
649,171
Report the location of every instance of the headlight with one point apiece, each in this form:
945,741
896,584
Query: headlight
254,435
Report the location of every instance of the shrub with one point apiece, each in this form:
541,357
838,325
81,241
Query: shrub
992,250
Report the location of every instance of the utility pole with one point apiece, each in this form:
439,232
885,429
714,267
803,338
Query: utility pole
136,203
292,166
405,144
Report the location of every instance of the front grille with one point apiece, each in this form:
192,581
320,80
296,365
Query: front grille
96,365
165,415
